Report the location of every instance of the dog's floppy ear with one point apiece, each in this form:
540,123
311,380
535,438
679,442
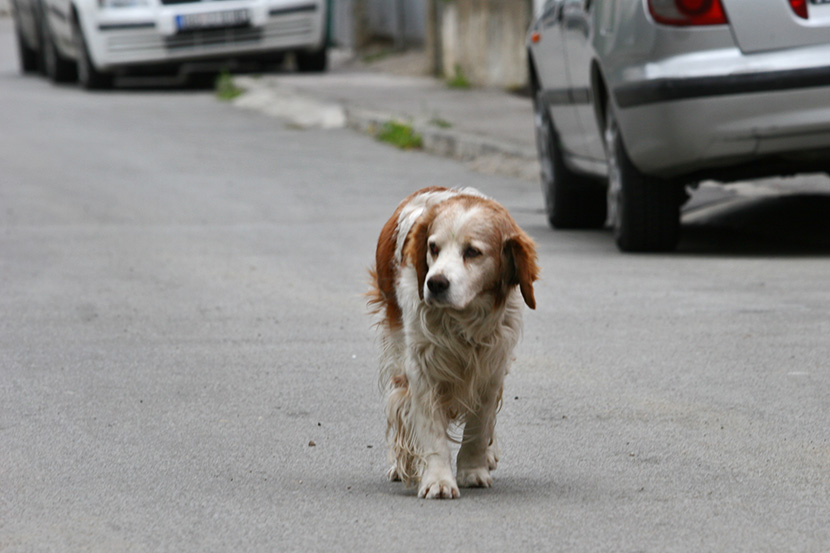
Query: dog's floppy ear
521,268
415,249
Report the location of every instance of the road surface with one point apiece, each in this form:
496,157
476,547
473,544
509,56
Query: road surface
186,363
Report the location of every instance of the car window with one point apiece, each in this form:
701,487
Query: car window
549,8
550,12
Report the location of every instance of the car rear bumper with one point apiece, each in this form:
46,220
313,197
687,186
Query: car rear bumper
678,118
673,89
121,38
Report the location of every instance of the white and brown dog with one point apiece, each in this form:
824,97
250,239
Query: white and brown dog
452,268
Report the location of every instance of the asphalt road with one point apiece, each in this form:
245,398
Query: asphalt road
181,318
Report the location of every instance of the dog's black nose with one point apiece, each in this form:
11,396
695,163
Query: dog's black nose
438,284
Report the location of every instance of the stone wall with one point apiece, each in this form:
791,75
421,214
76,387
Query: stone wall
484,40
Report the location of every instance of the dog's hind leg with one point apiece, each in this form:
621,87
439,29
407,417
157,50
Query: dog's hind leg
402,451
396,386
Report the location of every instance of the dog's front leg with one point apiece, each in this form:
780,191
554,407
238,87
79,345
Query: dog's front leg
436,481
479,454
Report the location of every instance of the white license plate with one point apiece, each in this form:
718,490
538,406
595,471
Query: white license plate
212,20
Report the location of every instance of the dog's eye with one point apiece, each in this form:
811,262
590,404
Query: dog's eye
434,249
471,252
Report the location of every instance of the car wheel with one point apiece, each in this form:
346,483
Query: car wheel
643,210
88,75
201,80
312,62
58,69
571,200
28,56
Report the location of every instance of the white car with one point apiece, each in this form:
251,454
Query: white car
94,40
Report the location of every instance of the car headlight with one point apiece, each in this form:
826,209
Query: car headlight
123,3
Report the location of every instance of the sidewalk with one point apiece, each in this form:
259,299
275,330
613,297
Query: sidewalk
491,129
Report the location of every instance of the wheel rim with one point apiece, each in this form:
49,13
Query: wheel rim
83,58
542,125
540,121
49,56
614,175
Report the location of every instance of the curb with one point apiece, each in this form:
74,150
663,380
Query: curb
298,110
482,153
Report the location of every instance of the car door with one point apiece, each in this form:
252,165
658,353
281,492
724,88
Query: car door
547,45
578,30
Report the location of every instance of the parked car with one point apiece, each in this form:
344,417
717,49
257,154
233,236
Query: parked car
636,100
94,40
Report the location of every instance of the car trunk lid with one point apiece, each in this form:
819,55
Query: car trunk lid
763,25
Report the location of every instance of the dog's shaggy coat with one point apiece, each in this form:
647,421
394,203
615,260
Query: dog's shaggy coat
452,268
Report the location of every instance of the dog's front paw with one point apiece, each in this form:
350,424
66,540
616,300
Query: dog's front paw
478,477
439,489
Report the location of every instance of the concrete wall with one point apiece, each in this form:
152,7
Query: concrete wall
387,18
359,22
486,40
342,30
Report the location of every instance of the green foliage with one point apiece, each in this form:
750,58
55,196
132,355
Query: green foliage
399,135
226,89
459,80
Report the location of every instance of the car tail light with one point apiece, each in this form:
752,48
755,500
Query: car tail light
800,8
689,13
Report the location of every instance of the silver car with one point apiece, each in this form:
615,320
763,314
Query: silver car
636,100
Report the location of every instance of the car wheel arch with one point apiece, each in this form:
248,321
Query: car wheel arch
599,95
531,71
74,13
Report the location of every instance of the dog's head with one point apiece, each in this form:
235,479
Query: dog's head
467,246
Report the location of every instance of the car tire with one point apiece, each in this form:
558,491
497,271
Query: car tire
644,211
28,57
201,80
57,68
572,200
312,62
88,75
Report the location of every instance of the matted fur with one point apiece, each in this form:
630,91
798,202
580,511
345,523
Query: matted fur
452,270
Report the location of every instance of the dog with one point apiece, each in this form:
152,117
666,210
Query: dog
452,269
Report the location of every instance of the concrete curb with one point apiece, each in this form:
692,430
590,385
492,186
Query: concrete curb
482,153
297,109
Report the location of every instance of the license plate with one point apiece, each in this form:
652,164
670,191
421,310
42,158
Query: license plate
212,20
